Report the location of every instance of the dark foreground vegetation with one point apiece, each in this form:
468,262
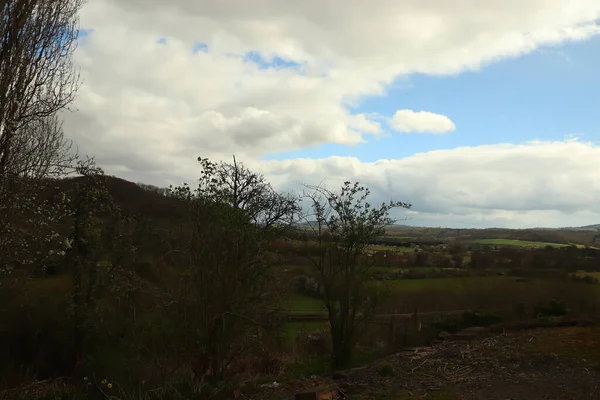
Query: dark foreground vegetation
229,289
134,292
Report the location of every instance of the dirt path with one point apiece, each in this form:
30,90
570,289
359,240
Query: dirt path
549,363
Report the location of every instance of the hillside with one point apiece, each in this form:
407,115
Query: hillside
151,202
134,198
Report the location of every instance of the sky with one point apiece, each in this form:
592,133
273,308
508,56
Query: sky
478,113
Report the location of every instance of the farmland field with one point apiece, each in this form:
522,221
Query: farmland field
495,293
444,284
520,243
399,249
586,273
301,304
293,328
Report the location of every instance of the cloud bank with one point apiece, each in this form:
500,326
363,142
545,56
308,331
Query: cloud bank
502,185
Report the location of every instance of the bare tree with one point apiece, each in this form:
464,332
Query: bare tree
39,150
37,74
250,192
227,285
37,80
345,223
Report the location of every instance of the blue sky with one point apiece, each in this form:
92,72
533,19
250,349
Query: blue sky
546,95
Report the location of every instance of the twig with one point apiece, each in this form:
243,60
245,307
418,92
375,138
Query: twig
106,396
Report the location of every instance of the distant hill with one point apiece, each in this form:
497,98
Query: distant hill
584,235
151,201
135,198
587,227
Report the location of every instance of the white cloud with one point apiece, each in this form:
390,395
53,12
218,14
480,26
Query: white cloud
139,91
526,185
421,121
148,109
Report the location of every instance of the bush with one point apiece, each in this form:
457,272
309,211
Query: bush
521,311
387,370
308,286
553,309
474,318
36,335
468,319
585,279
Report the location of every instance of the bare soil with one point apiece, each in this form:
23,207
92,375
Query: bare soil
559,363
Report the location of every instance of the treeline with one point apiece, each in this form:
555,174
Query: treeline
474,257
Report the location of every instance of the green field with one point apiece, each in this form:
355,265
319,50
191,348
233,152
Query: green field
518,243
293,328
398,249
301,304
432,298
460,286
585,273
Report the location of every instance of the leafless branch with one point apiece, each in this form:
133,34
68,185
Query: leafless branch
37,74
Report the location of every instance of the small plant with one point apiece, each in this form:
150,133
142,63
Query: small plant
521,311
468,319
387,370
475,318
449,325
309,367
554,308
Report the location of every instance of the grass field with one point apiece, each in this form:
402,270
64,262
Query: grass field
438,294
585,273
301,304
432,298
292,329
437,284
519,243
398,249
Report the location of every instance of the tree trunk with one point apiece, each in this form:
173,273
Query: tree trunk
342,340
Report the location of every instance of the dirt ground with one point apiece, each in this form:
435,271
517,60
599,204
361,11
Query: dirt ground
544,363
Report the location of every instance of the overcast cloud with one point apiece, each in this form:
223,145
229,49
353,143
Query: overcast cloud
149,107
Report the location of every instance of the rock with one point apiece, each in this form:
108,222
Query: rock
272,385
319,393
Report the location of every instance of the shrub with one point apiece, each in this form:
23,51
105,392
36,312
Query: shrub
475,318
36,336
554,308
521,311
585,279
467,319
387,370
308,286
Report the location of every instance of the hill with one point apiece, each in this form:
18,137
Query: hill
151,201
134,198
